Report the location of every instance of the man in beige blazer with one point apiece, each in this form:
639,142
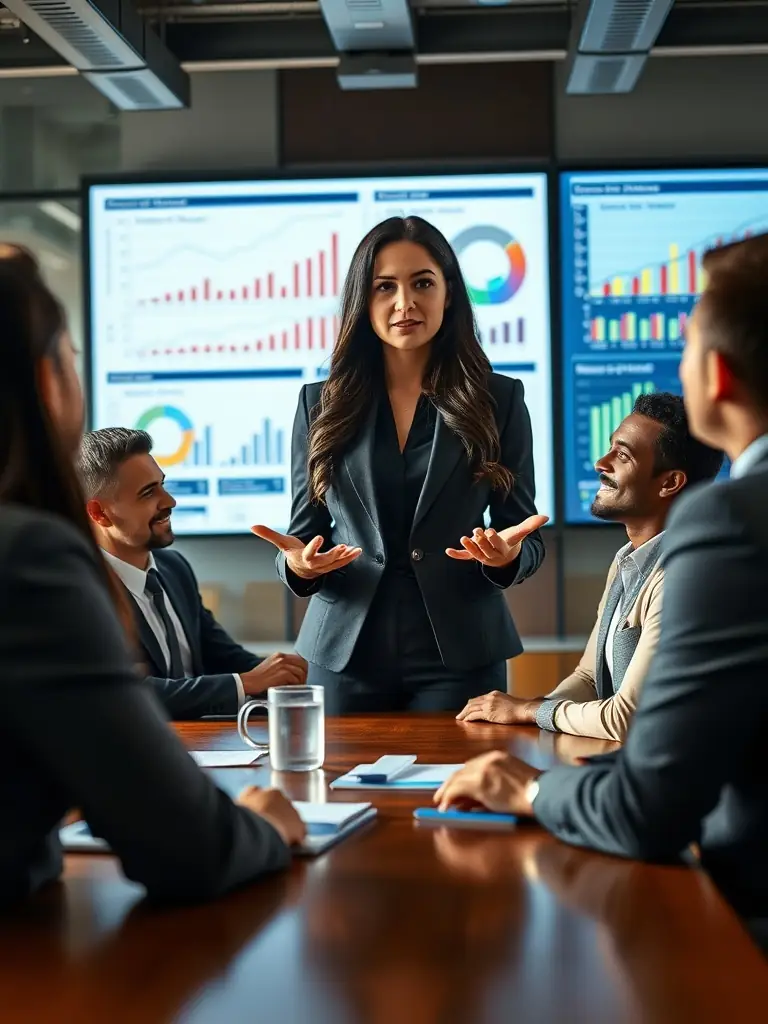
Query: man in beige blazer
652,460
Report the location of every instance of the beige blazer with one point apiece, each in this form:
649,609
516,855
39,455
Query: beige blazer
581,714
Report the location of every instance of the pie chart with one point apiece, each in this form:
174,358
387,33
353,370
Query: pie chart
502,287
182,421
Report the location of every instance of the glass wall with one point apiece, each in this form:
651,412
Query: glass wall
52,131
50,228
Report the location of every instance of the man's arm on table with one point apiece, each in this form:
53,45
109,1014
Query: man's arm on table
649,801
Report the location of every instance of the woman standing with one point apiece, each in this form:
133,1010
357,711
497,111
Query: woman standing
396,457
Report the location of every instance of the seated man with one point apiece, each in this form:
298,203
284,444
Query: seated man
694,768
653,458
195,667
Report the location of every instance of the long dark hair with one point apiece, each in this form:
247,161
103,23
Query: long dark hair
456,379
35,469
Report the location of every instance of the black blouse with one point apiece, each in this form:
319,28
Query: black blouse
399,477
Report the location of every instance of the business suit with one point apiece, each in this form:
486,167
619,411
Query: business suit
215,657
79,728
464,601
694,767
591,702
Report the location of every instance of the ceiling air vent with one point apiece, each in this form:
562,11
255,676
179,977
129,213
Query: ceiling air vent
106,37
610,42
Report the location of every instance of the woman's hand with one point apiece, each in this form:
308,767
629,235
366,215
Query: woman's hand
305,560
493,548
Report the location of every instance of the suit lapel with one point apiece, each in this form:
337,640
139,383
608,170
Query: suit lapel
358,462
147,636
447,450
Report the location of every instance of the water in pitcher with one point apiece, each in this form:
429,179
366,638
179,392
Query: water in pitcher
296,737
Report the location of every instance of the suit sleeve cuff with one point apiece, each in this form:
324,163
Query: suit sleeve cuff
505,576
545,715
240,690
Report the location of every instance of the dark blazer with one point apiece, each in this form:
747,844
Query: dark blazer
465,601
79,728
694,767
215,655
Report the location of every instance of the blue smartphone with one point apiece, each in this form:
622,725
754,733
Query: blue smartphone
464,819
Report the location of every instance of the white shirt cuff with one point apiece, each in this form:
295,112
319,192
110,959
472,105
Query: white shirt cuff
240,690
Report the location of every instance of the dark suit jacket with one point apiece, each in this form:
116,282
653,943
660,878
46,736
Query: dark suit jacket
78,728
465,601
215,655
694,767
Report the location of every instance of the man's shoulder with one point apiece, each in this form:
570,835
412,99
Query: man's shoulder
719,504
174,562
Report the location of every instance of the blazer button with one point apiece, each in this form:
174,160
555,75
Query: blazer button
380,559
417,554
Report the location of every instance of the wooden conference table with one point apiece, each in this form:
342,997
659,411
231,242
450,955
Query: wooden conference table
397,925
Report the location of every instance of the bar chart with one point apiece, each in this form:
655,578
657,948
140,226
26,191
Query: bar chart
308,335
680,274
265,447
316,276
507,333
631,327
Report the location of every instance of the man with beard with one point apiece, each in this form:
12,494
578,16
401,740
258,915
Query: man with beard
194,665
652,460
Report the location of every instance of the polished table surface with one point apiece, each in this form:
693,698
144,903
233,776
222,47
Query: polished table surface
399,924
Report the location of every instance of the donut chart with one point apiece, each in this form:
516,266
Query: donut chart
497,289
170,412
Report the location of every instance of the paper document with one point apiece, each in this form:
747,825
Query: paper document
327,824
324,819
226,758
420,776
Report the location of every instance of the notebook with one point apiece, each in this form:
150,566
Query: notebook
327,824
418,776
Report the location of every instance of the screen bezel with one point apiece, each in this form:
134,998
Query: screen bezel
607,166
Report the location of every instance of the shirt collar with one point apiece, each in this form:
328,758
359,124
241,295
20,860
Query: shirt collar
134,580
641,558
750,457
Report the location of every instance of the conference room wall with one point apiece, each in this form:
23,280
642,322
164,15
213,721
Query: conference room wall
682,110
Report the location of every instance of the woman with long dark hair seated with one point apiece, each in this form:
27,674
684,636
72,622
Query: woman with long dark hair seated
396,459
78,727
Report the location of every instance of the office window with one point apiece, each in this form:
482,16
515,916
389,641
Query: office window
52,131
50,228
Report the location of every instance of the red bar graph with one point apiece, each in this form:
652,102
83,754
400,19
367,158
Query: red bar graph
310,277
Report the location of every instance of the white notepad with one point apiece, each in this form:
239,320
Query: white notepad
326,824
329,823
420,776
226,758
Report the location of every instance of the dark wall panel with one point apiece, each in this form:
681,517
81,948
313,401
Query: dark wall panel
474,112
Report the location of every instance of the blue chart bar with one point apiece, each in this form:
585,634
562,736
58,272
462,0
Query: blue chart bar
266,448
202,450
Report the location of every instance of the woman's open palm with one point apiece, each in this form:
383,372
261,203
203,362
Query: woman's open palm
306,560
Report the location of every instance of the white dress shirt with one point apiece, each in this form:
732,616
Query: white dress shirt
135,581
751,455
632,565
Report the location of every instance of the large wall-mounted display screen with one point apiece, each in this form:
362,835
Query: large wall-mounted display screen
632,244
213,302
